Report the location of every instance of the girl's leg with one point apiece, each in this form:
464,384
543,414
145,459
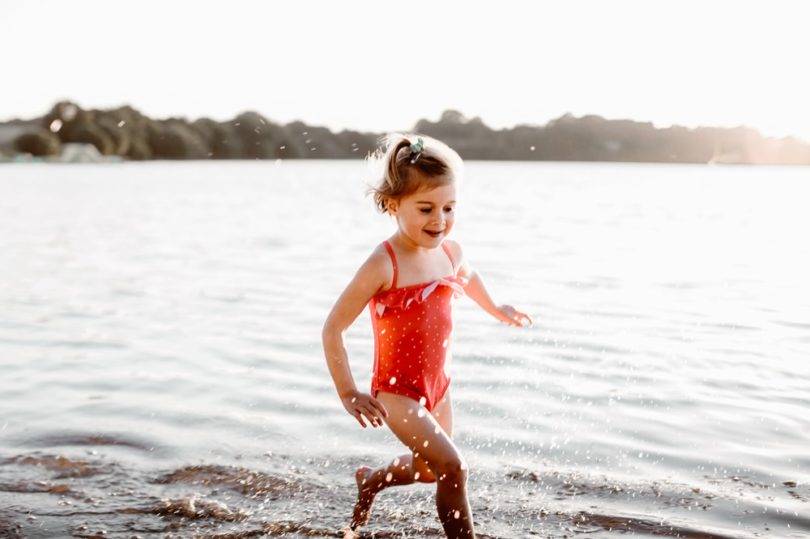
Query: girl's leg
402,470
426,439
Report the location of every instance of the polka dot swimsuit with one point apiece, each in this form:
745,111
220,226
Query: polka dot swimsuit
413,328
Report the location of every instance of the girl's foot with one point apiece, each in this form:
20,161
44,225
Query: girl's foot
365,497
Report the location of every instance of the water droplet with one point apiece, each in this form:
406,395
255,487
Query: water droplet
425,444
388,477
393,380
416,476
422,401
457,514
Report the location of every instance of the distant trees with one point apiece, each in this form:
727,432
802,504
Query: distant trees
126,132
122,131
593,138
40,143
222,139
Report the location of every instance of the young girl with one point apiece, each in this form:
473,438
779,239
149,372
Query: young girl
409,282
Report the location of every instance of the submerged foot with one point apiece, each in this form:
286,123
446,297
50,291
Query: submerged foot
365,497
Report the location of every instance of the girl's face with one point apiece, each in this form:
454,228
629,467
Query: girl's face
426,217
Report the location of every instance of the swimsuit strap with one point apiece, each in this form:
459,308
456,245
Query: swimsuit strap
393,261
447,252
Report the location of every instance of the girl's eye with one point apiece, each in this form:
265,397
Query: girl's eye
425,210
448,209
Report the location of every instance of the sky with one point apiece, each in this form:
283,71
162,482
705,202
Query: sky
381,66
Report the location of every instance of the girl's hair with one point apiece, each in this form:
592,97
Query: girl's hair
398,171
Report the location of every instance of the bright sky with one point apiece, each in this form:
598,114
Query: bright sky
376,65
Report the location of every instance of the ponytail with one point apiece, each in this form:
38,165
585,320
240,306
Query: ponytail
393,179
406,170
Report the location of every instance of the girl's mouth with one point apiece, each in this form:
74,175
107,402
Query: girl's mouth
434,234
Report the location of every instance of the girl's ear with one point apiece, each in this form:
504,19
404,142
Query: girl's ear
392,205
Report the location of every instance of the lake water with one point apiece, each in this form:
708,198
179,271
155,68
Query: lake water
162,372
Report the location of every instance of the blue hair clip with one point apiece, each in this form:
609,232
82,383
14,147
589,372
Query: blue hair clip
416,149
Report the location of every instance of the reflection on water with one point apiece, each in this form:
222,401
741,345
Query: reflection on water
162,370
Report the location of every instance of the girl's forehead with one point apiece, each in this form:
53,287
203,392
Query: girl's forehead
436,195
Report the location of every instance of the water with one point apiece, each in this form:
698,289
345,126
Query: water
162,370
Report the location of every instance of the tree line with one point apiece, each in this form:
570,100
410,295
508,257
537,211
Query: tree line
127,133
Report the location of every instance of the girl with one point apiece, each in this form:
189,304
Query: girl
409,282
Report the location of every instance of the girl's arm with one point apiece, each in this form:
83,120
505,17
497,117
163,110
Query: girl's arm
476,290
369,279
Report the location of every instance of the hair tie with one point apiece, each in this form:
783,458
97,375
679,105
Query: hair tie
416,149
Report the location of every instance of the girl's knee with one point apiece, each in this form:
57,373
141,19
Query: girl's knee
452,469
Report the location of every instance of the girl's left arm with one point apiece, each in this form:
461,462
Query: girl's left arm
476,290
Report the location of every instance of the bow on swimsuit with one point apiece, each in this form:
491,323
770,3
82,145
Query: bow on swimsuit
413,327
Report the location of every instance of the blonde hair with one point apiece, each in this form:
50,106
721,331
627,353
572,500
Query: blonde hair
398,171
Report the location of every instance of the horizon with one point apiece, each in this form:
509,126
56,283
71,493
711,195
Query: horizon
668,64
436,119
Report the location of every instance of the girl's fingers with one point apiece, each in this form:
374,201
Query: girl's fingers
516,317
512,317
359,417
371,415
379,406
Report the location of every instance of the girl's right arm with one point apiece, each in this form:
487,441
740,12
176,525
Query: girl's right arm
372,276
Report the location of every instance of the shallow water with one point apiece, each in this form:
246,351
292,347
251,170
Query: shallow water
162,370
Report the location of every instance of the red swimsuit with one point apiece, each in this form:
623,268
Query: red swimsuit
412,333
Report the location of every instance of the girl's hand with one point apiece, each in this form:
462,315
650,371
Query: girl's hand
513,317
362,404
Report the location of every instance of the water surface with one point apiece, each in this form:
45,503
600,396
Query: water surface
162,370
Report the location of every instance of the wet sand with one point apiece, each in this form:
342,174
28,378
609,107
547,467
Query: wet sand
48,495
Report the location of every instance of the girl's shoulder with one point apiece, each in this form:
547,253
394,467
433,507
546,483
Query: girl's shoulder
463,268
455,250
378,267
